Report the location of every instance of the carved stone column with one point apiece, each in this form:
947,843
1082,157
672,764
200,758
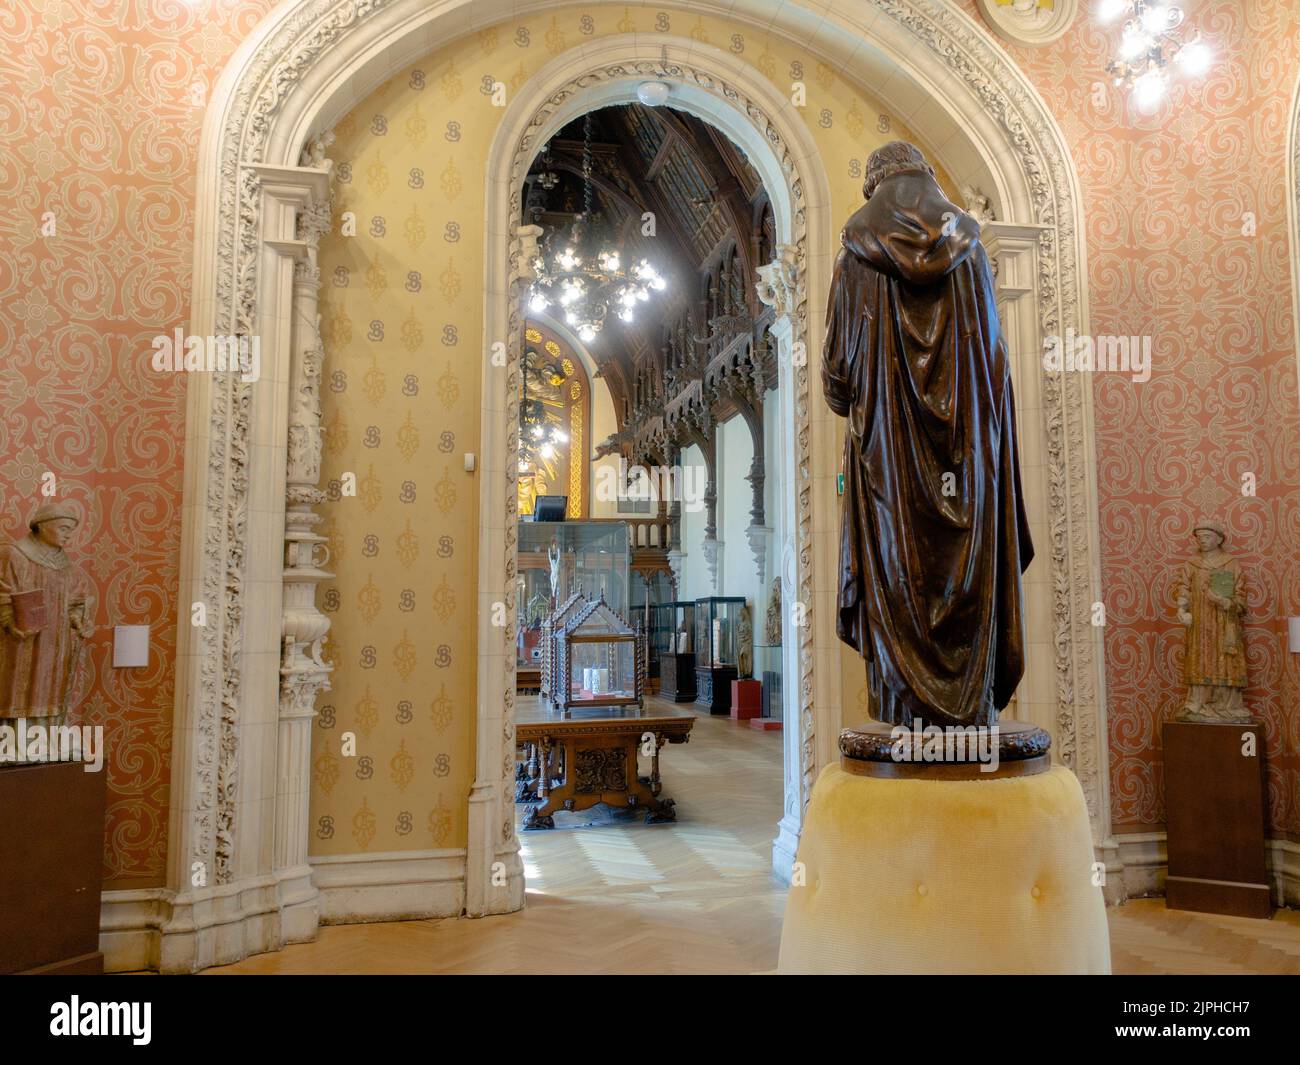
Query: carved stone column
303,672
779,287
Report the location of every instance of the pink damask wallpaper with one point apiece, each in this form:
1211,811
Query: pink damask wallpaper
1187,242
101,104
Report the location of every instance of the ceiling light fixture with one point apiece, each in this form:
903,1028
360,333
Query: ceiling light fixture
588,282
1149,42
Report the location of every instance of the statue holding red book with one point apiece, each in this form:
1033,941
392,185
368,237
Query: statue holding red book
46,606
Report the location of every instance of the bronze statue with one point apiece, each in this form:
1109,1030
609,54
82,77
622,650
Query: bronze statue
45,620
933,531
1210,594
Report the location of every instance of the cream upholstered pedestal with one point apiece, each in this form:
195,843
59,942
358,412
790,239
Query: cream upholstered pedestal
945,876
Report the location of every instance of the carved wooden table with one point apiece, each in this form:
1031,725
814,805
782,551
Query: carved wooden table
576,760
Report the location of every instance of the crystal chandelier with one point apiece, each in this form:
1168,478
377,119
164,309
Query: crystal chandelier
1149,43
541,441
585,281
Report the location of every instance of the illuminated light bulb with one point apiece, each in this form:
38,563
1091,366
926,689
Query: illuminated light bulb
659,284
625,314
1195,58
537,432
570,319
538,302
1109,10
1148,90
586,333
547,451
1133,44
642,294
1155,19
560,438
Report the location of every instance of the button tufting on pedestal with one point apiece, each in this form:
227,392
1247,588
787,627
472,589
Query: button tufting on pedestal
922,890
1036,891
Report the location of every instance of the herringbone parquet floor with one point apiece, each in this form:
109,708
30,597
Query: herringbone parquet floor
607,897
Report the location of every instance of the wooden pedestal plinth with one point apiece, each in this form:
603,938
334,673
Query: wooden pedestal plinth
713,687
1214,810
677,676
51,868
746,699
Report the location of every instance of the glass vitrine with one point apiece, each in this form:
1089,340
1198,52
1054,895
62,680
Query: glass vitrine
677,660
555,560
599,660
768,667
591,557
717,647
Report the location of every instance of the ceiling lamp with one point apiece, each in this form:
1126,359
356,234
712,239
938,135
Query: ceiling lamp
1148,43
585,281
653,93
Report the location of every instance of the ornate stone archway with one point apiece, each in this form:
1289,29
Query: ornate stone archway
246,681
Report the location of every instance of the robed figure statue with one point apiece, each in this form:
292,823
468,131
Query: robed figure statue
934,537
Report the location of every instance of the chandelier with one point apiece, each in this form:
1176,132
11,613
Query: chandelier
585,280
541,440
1149,43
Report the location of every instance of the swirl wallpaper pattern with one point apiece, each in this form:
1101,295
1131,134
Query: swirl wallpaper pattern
1186,229
101,103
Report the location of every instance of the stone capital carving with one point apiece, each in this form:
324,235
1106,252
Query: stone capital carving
779,281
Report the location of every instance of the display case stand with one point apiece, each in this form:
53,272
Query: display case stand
677,677
713,687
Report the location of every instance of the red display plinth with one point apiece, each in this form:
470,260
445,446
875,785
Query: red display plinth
746,699
765,724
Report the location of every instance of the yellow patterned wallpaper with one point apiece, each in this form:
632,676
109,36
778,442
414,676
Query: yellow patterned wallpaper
402,316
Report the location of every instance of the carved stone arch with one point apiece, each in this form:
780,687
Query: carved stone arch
237,777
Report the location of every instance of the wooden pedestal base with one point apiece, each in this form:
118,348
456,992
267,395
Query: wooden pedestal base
1214,812
677,677
51,868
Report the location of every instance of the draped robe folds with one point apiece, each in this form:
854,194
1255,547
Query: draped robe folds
44,675
933,536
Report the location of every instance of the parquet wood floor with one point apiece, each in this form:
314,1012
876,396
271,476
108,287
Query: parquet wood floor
698,896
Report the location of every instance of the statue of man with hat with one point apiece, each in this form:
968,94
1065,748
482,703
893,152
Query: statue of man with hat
46,606
1210,594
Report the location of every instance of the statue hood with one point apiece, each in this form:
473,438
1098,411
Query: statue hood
910,230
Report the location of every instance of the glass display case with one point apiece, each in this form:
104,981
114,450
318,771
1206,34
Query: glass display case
555,560
676,622
718,649
592,657
768,667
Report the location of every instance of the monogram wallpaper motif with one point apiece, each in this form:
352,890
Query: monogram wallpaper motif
401,309
401,318
101,104
1187,242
